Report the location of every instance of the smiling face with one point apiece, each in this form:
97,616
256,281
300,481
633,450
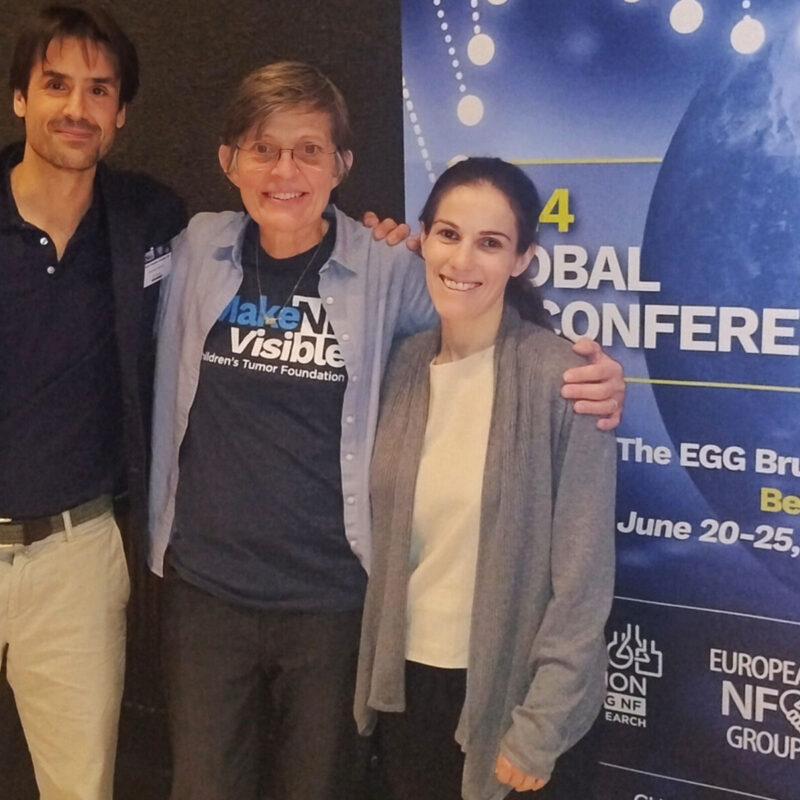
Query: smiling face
470,253
72,107
286,198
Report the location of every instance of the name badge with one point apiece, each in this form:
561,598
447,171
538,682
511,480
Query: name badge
157,264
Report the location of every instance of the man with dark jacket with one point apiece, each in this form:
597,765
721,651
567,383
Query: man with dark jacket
84,248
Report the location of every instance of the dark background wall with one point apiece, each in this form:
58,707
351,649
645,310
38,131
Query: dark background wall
192,54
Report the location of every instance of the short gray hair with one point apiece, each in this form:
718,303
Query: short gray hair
287,85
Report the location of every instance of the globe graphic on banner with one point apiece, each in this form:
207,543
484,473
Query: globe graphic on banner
723,229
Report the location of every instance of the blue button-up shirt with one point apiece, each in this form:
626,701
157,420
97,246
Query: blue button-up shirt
372,293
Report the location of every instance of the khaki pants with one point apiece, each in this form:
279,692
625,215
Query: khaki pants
62,625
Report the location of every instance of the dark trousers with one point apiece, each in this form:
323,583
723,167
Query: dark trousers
222,663
419,758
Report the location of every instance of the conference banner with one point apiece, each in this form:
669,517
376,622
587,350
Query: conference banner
664,138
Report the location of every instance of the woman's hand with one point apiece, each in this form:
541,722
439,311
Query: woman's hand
393,232
507,773
597,388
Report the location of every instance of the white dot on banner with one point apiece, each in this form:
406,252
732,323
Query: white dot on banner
424,153
406,94
476,29
462,88
686,16
473,3
746,4
480,49
459,75
476,15
497,2
451,51
748,35
448,38
443,26
413,116
631,1
431,177
417,130
456,159
421,141
440,13
437,2
409,105
428,165
470,110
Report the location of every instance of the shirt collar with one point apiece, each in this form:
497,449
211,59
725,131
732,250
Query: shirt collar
223,253
10,218
343,245
9,215
340,245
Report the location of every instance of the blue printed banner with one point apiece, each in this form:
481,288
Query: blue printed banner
664,138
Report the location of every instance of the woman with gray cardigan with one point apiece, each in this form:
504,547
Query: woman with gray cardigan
482,649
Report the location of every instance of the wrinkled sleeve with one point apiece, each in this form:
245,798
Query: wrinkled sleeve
568,656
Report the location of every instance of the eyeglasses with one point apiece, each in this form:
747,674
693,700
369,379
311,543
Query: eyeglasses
263,155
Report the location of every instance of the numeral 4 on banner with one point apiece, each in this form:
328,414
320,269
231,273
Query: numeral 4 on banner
556,211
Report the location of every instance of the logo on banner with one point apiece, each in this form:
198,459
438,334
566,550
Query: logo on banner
761,695
633,662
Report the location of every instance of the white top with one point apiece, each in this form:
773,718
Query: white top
447,510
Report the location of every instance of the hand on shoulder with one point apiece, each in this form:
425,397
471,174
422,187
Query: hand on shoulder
390,231
598,387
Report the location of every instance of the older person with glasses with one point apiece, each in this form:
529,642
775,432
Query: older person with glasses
275,328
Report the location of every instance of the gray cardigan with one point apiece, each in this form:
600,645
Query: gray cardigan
535,677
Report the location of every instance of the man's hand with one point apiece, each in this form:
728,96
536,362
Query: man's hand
390,230
512,776
598,388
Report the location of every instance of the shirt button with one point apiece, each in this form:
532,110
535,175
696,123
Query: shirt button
349,457
351,500
349,419
329,301
44,240
345,337
51,270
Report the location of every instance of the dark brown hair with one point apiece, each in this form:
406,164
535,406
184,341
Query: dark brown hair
83,21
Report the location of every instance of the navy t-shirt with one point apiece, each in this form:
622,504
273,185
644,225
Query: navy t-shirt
258,516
